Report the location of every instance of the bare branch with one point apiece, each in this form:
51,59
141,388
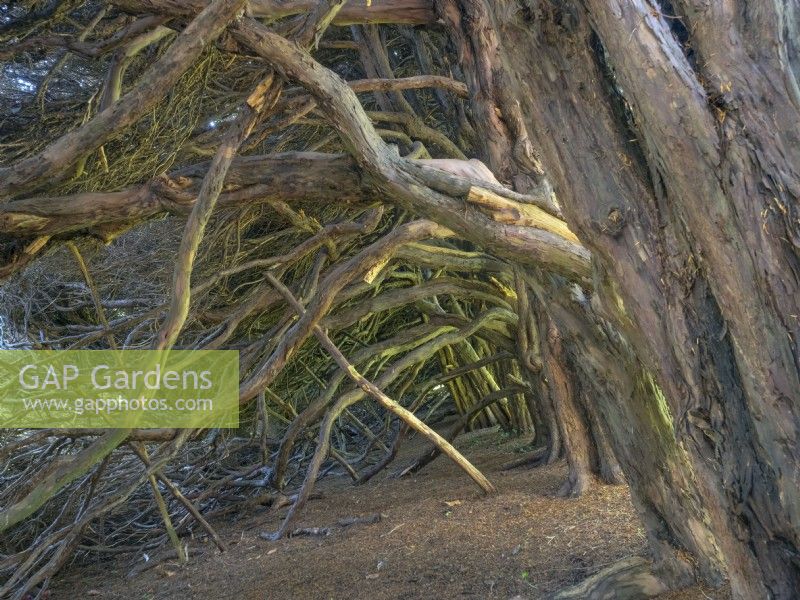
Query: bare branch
54,160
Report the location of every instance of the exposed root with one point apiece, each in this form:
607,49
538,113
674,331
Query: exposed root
629,579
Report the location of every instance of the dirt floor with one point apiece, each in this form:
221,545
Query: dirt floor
437,537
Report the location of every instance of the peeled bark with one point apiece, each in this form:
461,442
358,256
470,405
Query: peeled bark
409,185
629,579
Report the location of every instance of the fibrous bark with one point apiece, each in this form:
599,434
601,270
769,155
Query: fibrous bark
689,208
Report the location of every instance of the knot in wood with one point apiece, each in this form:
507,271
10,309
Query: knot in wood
615,222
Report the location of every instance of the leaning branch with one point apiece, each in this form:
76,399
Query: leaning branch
289,176
400,12
392,173
409,418
363,265
264,94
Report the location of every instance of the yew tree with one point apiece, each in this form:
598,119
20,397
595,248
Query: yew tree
615,182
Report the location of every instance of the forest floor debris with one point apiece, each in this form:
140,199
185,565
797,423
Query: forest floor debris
436,536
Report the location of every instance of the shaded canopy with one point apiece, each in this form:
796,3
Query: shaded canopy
359,198
115,124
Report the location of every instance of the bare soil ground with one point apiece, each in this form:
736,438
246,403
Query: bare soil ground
437,537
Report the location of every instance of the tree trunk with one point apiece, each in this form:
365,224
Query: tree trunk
529,350
608,468
633,411
672,143
578,444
